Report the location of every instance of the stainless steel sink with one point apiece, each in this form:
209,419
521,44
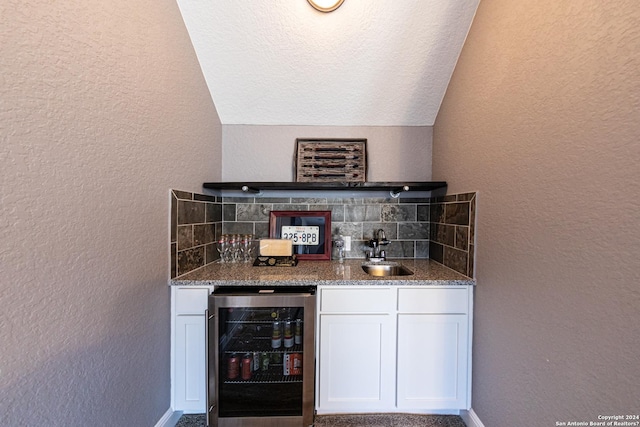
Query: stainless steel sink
386,269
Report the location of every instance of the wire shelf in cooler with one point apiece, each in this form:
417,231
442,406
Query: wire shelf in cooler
261,345
267,378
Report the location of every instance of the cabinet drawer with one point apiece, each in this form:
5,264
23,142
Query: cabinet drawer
430,300
191,300
350,300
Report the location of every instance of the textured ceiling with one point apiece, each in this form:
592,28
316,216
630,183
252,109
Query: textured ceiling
370,62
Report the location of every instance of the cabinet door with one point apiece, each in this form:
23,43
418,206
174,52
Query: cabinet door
432,361
356,363
190,366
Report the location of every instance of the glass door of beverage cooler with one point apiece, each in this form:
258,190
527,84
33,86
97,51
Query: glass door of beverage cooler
263,355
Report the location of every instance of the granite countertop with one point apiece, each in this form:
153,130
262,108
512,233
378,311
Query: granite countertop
426,273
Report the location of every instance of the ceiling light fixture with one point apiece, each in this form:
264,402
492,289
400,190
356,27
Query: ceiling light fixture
325,5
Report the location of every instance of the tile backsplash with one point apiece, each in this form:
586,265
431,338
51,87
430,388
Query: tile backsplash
438,228
452,231
196,221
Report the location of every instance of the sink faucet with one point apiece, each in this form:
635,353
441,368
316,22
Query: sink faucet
379,239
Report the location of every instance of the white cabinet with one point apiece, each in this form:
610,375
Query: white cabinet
433,343
188,358
404,349
356,350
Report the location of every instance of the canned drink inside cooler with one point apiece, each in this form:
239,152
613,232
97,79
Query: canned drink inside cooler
298,334
276,336
233,367
288,334
256,361
247,362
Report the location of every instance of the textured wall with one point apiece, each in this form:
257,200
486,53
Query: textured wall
103,109
541,117
266,153
369,63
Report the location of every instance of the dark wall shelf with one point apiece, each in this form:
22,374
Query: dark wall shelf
394,187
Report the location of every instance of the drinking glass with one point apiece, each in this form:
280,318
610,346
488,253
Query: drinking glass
247,247
235,245
222,245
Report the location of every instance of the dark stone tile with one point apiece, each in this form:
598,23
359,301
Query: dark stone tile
290,207
353,229
423,212
272,200
211,253
414,200
471,264
436,252
463,197
445,234
457,213
369,229
213,212
422,249
309,201
183,195
244,199
413,230
433,230
378,200
190,259
472,221
456,259
252,212
229,212
436,212
344,201
400,249
361,213
185,237
174,218
359,249
399,213
191,212
462,237
337,211
174,260
203,234
261,230
238,228
204,197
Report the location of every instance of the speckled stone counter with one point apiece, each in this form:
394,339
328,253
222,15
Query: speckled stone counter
426,273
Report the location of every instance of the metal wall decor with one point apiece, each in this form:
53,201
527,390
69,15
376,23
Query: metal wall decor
325,5
331,160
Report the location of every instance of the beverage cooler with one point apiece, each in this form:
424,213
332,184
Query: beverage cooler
260,357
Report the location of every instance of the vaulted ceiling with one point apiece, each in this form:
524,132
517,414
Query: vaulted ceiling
369,63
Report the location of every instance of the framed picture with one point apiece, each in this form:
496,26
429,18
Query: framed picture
331,160
310,232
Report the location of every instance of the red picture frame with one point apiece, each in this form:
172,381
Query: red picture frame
322,219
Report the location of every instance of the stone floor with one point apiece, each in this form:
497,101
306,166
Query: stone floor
365,420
